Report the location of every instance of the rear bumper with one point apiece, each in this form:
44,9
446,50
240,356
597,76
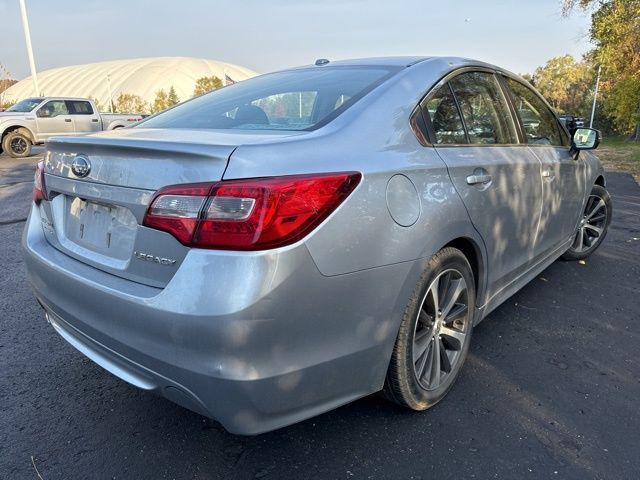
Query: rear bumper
255,340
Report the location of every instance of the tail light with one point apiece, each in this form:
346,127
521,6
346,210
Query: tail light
252,214
39,191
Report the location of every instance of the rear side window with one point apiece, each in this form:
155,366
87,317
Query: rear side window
445,117
484,109
77,107
540,124
293,100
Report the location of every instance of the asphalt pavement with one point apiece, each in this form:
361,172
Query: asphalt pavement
551,390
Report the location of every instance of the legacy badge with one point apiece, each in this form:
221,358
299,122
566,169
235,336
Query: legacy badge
153,258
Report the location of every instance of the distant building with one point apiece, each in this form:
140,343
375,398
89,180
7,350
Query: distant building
143,77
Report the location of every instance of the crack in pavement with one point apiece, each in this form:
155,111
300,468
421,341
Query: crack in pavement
11,222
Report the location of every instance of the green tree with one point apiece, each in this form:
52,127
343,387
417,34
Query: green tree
206,84
128,103
566,84
615,32
172,97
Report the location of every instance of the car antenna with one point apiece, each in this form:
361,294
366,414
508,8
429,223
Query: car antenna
322,61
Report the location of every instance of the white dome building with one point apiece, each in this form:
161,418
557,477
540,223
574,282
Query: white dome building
143,77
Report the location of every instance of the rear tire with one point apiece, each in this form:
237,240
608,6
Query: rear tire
435,333
17,144
594,225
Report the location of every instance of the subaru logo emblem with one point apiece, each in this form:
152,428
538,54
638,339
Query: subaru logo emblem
81,166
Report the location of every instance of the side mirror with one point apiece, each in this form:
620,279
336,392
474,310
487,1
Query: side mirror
585,139
43,113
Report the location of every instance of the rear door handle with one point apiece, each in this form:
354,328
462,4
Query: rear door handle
476,179
68,120
94,120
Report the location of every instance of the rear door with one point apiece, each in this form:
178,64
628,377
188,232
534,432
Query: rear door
53,118
563,177
85,119
497,178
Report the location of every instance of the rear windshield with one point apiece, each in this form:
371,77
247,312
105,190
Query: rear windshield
25,105
292,100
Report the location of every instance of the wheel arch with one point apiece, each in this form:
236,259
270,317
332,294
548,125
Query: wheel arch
17,127
470,249
600,181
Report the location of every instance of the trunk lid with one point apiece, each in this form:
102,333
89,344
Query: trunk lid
97,218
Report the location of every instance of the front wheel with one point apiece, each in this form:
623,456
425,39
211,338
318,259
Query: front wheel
17,144
435,333
593,225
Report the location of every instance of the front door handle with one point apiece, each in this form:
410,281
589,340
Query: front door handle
68,120
476,179
548,174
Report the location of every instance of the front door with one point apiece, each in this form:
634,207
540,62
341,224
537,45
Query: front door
497,178
53,118
563,177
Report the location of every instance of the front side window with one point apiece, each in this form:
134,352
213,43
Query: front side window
445,117
77,107
53,109
25,105
540,125
484,109
293,100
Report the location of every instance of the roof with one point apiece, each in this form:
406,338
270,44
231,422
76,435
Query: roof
143,77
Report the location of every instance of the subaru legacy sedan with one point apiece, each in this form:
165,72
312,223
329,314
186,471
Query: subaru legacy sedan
282,246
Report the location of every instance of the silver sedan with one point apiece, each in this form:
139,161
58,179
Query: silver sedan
285,245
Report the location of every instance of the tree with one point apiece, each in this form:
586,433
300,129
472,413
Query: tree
615,32
528,77
164,100
206,85
172,97
160,102
566,84
97,103
128,103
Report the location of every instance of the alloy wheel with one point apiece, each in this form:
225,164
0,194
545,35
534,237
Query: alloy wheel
19,145
592,224
442,325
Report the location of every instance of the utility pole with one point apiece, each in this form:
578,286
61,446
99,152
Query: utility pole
27,37
595,98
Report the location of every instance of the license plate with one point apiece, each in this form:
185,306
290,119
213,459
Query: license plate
93,224
105,229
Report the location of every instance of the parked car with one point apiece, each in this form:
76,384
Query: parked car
263,270
34,120
571,123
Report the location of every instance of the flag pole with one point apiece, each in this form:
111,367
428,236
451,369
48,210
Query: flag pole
27,37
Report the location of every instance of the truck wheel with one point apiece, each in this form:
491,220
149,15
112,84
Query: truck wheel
17,144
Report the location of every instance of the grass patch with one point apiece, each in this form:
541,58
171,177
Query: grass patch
619,154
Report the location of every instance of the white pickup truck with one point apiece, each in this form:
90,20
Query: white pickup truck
33,120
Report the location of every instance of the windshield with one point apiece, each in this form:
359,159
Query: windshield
25,105
292,100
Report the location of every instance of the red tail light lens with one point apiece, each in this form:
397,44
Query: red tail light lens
39,192
253,214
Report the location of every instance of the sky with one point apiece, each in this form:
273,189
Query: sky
268,35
